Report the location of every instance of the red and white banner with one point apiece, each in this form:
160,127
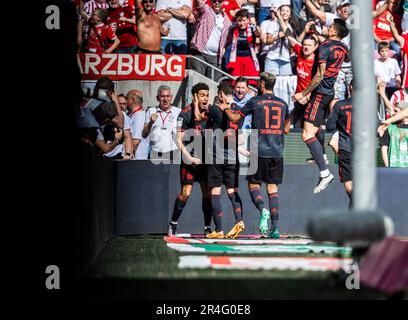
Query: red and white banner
154,67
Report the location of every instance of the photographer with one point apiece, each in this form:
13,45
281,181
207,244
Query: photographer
88,123
109,137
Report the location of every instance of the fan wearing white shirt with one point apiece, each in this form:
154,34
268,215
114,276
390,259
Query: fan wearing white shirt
137,117
387,69
161,125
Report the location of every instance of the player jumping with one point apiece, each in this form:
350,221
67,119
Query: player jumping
332,53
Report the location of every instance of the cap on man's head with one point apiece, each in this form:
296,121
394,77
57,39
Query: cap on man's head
342,3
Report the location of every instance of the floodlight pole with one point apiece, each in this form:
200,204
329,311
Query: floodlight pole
364,121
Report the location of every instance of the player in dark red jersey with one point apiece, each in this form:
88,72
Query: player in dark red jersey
270,117
332,53
225,165
192,118
340,119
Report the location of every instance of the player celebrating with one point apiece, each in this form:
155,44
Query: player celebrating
332,53
270,117
225,167
340,119
192,169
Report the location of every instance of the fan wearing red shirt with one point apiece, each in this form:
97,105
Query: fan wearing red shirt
120,20
402,41
101,39
382,25
304,69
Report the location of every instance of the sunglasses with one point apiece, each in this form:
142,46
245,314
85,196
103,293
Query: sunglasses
147,1
217,1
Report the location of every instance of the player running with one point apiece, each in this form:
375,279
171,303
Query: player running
332,53
192,169
340,119
270,117
225,167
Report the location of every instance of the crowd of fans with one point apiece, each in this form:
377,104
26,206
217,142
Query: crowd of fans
243,38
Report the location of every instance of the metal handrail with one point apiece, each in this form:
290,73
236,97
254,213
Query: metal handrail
213,69
226,75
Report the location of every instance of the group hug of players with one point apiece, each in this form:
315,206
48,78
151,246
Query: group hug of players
270,121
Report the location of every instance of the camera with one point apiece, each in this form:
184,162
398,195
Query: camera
95,94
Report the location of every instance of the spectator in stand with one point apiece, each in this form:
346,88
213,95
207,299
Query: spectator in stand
120,20
278,57
250,5
101,37
137,118
399,96
173,14
394,140
85,13
402,41
241,59
387,70
210,37
149,27
161,126
306,58
382,25
266,5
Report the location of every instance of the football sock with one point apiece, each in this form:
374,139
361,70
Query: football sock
179,205
317,153
207,210
217,212
320,138
274,208
257,199
236,205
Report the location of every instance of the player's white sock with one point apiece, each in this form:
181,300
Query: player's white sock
324,173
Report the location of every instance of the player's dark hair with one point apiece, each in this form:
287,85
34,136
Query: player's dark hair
226,88
341,28
269,79
383,45
105,111
310,37
104,83
199,86
242,14
242,79
122,95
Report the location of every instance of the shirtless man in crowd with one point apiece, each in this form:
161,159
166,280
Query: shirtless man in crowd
148,27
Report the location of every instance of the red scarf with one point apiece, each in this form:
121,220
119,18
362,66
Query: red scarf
234,49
